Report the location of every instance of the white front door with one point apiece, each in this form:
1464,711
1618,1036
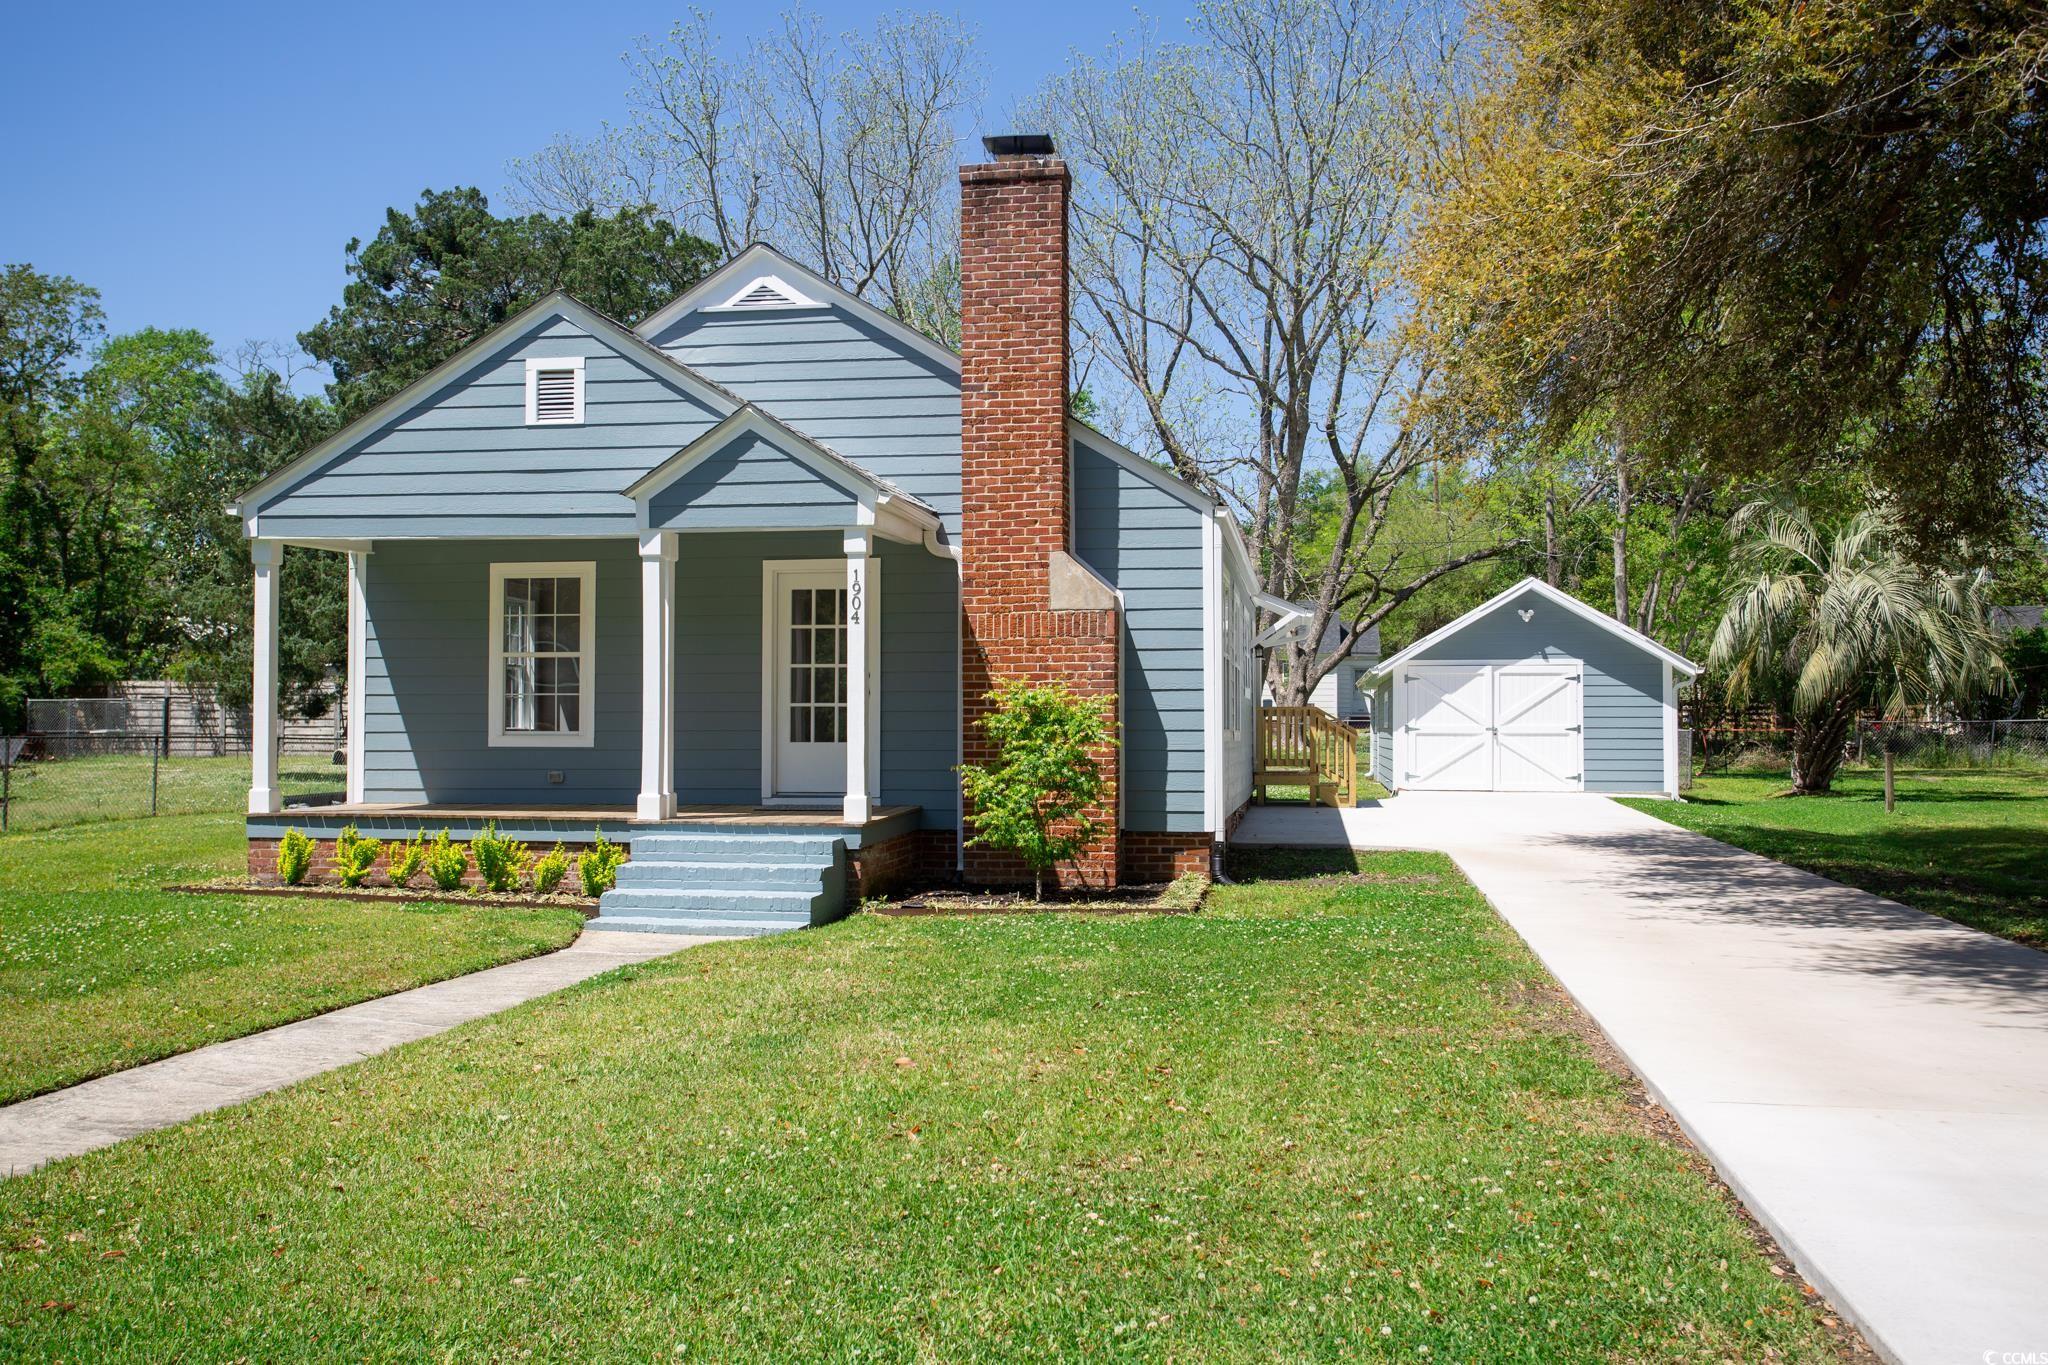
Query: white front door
1450,727
1492,727
807,684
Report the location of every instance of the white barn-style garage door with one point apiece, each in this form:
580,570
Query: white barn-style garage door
1493,727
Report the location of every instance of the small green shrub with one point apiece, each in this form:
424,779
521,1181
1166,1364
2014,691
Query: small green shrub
446,862
501,862
598,868
549,871
294,856
1041,796
354,856
407,859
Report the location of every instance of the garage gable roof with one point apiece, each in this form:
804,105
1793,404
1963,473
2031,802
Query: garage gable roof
1562,599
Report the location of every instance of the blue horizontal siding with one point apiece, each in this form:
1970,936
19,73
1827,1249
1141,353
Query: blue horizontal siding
749,481
426,680
462,460
1160,576
840,380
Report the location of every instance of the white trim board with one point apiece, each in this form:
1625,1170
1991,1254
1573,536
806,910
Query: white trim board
762,261
880,504
636,350
496,736
1565,600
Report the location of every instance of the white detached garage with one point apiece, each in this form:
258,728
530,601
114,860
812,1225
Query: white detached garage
1531,691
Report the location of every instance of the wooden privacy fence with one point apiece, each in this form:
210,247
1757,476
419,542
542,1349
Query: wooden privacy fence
183,720
1306,746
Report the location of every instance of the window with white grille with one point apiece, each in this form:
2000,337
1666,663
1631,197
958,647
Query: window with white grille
554,391
542,681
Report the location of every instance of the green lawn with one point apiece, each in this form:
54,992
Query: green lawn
1971,847
1339,1117
101,969
70,791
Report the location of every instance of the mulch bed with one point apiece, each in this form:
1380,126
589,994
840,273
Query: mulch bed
409,895
1170,898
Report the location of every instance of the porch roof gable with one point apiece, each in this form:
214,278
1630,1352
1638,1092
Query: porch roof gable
837,491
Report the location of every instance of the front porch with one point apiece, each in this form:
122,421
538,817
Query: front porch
572,824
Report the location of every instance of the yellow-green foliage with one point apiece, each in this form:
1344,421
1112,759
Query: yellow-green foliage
501,862
549,871
598,867
294,856
446,862
408,858
354,856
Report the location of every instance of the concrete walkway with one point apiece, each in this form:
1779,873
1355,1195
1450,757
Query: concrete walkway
159,1094
1872,1080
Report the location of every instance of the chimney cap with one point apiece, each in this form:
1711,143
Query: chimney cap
1018,144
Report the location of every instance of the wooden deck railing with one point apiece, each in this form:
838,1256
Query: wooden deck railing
1306,746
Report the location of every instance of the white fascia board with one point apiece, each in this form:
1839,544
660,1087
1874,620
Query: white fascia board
486,348
1139,465
1553,595
878,499
761,260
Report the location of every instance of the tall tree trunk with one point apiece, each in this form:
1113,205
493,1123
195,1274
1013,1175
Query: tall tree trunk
1820,740
1621,536
1553,558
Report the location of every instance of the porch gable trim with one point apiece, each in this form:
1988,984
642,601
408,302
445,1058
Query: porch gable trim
877,503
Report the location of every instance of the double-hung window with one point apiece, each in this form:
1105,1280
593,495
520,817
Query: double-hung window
543,649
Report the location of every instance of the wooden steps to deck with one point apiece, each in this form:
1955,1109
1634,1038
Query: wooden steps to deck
1307,747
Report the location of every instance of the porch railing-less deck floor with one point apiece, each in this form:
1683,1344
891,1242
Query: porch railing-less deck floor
780,817
574,823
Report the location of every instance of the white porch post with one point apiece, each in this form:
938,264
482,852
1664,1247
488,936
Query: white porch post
657,676
268,556
358,665
863,715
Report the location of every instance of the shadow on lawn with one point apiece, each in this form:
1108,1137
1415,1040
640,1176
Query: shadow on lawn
1675,875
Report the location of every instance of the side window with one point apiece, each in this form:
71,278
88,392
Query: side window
543,654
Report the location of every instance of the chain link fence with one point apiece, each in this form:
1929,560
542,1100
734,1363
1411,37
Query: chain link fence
122,775
1957,745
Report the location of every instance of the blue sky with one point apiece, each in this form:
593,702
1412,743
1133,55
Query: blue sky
204,165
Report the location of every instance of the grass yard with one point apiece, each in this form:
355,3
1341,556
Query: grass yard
1344,1116
101,969
50,793
1971,847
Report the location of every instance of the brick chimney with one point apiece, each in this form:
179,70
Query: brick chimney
1029,608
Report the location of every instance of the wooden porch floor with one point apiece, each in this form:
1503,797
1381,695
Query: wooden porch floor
821,817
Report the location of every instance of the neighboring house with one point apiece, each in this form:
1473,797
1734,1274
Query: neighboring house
2012,620
1532,690
1346,690
735,581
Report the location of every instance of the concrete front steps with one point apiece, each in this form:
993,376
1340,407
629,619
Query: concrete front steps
739,884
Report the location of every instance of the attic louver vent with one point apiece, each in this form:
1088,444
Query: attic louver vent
769,291
554,396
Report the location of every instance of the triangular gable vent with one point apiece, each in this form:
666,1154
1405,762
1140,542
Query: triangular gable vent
768,291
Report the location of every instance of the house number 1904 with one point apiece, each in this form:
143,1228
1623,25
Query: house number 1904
853,596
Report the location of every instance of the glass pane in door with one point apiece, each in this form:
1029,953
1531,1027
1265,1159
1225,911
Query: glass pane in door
817,668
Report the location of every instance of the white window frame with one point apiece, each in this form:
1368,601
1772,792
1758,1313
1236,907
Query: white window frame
585,571
534,366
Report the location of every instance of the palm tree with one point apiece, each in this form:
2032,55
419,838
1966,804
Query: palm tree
1830,624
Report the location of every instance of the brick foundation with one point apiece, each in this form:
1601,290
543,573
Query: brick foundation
1152,857
923,857
1016,475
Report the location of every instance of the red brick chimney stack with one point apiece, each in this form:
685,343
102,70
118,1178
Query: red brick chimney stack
1029,608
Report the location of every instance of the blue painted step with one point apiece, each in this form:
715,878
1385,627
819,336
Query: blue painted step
719,882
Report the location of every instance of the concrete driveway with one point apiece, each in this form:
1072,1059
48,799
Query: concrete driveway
1872,1080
